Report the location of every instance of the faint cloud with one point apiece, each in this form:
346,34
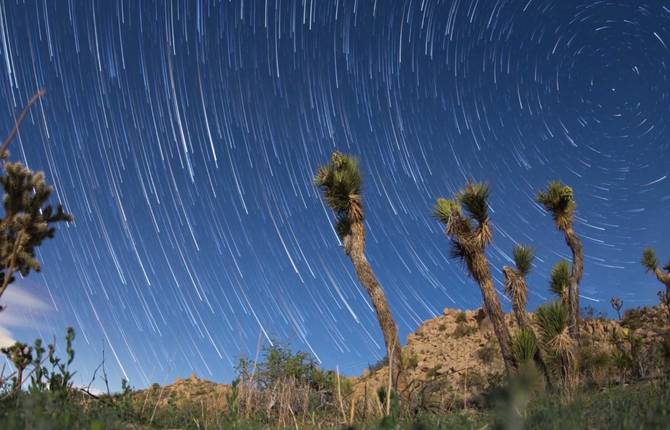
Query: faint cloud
6,338
20,302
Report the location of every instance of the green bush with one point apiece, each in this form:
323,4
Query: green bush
463,330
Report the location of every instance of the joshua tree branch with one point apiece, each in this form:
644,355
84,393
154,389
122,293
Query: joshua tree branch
12,264
19,120
663,278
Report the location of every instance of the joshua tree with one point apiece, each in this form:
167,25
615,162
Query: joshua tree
516,289
553,322
617,304
559,283
650,262
558,200
470,233
515,282
341,181
28,218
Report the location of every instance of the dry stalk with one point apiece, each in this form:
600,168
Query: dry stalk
352,411
388,391
339,393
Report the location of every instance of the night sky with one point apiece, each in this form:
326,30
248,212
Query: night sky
184,136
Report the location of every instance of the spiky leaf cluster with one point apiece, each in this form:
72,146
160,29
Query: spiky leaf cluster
524,346
649,260
28,218
558,199
444,209
341,181
523,258
552,319
470,231
515,287
474,199
560,279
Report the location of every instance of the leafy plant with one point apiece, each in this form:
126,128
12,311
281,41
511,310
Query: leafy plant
524,346
560,280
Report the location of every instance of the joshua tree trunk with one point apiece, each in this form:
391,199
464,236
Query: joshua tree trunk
354,244
663,278
482,275
575,277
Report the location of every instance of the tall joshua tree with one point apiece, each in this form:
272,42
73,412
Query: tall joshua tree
28,218
470,233
341,181
559,201
517,290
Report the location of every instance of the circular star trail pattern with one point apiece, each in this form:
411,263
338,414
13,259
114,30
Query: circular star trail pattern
183,136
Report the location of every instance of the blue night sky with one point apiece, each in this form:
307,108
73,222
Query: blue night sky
183,136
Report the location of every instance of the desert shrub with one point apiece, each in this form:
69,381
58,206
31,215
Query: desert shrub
284,385
474,380
461,317
409,359
487,352
463,330
434,371
595,364
633,318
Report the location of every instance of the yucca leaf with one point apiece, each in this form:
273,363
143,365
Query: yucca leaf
340,181
649,260
523,258
474,198
552,320
444,208
558,199
524,346
560,279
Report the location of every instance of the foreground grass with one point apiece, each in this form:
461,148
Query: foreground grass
642,406
638,406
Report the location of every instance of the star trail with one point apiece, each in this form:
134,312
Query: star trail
183,136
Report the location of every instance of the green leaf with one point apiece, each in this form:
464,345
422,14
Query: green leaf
560,279
649,260
523,258
444,208
474,198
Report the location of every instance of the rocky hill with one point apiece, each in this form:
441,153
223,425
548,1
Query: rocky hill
454,358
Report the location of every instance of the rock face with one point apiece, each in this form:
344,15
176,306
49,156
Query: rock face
452,359
185,394
449,361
